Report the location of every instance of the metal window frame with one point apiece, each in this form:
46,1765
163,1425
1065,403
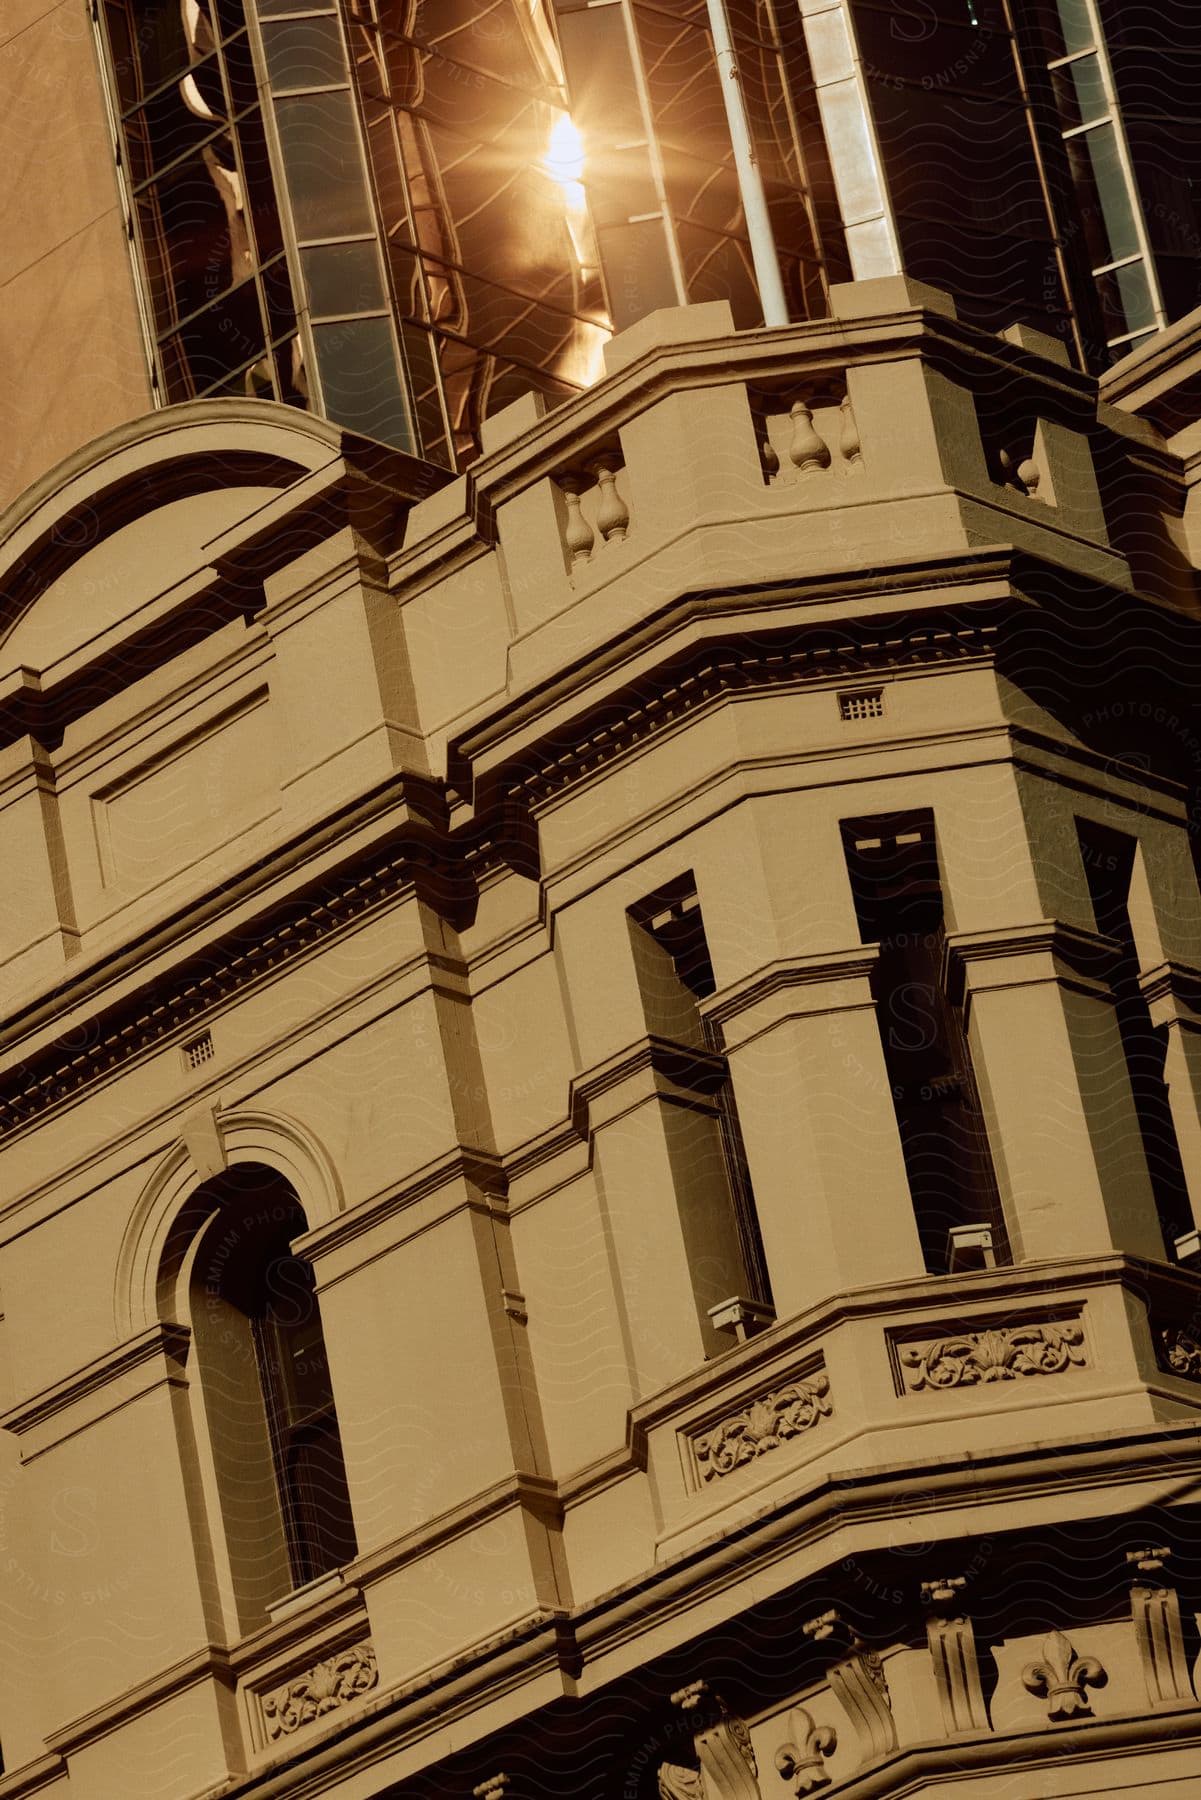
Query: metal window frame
1113,118
130,192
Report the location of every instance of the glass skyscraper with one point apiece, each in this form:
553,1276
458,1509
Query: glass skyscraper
405,213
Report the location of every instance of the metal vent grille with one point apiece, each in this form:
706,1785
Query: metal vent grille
198,1050
866,703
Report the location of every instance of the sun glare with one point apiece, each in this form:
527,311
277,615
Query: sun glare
564,160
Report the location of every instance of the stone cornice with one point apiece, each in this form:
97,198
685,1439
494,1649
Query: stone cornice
584,1636
692,652
1112,769
210,1662
534,1494
677,1070
478,1171
910,1771
1061,952
823,969
363,826
155,1355
330,1616
34,1777
1175,982
156,987
41,703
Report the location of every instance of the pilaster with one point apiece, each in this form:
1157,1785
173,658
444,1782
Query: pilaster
1048,1060
341,689
1173,994
39,929
818,1123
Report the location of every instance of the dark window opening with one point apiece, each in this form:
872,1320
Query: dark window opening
1108,858
675,973
893,866
268,1394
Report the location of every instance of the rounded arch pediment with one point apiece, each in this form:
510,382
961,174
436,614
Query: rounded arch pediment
247,1136
148,496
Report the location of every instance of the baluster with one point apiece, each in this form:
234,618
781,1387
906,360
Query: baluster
579,535
1029,474
613,515
1010,477
807,450
770,458
849,446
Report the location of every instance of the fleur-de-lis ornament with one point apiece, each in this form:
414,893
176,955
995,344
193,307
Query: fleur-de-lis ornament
1063,1676
799,1761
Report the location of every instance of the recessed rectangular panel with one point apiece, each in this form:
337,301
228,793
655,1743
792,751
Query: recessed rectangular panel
179,805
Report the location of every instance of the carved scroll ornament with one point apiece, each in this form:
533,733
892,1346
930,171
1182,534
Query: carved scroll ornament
726,1760
332,1683
1001,1353
769,1421
857,1680
1179,1353
1158,1628
951,1637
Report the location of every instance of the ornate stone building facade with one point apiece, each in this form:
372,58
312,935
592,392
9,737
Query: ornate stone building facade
600,1047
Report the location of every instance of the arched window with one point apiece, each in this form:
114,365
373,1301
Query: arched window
268,1399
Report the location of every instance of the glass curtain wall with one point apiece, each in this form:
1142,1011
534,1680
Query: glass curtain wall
968,184
1105,210
1154,56
406,213
326,194
547,175
1125,85
193,148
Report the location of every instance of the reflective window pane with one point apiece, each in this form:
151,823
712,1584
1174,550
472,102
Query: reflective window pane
343,278
193,237
209,348
604,98
178,119
147,49
717,267
323,165
1075,27
638,276
239,74
1102,195
1126,302
1080,92
277,291
359,380
304,53
421,369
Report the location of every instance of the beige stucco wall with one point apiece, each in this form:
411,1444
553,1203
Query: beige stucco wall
71,358
375,817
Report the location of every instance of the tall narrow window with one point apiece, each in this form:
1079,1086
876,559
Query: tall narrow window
1108,865
893,865
721,1228
267,1393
